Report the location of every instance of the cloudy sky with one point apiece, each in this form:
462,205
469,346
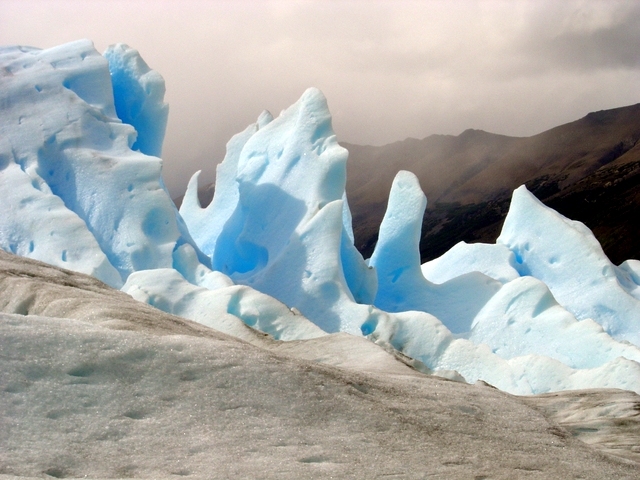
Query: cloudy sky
390,69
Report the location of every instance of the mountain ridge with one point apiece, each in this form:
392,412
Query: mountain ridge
468,180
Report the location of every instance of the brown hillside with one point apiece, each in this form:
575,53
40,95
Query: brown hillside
588,170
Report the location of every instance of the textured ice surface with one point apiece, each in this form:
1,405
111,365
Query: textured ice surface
566,256
276,221
629,273
139,97
524,318
226,309
494,260
84,401
606,419
421,336
516,336
205,224
74,193
44,97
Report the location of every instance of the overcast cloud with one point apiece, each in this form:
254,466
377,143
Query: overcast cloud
390,70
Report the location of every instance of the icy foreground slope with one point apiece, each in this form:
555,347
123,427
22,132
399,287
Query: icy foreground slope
119,389
274,250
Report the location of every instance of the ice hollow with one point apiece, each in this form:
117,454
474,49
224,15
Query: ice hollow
139,97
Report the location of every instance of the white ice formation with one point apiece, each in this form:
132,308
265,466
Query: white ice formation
75,193
556,250
276,222
401,285
541,310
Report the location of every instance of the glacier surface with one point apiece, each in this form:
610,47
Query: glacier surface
541,310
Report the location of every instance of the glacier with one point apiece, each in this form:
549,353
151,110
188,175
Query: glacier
541,310
277,221
551,247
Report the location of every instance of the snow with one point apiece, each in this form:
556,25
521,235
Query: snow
423,337
35,222
205,224
603,418
272,258
494,260
629,275
541,345
277,219
224,308
524,318
138,93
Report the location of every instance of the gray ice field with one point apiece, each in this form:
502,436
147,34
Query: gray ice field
96,385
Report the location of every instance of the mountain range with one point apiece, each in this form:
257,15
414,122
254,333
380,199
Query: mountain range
588,170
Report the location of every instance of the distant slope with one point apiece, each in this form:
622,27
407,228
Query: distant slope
588,170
